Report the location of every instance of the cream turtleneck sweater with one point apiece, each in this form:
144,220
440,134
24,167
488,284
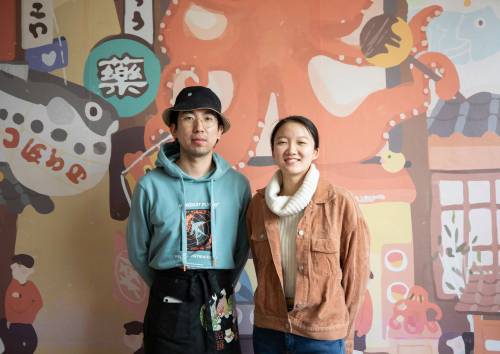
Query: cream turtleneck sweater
290,210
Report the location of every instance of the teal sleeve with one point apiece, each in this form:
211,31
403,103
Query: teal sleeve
242,245
139,232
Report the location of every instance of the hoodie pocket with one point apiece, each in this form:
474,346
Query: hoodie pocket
325,257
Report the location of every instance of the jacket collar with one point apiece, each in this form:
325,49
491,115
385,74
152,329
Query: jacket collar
324,192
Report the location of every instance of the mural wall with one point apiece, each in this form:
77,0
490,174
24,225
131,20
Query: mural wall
406,96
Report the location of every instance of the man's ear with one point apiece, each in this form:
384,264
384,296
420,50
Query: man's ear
219,134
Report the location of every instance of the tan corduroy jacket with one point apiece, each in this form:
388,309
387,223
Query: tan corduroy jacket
332,250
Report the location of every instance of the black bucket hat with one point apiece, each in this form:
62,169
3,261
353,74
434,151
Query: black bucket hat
196,97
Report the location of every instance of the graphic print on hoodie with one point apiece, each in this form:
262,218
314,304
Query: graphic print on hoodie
198,226
199,236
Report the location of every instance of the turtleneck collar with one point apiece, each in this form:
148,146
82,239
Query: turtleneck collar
291,205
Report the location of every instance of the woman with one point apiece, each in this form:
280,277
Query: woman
310,246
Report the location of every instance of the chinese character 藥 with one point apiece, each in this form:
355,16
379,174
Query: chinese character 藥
122,76
125,72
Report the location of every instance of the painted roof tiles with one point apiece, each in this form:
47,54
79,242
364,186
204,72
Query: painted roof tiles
473,117
482,293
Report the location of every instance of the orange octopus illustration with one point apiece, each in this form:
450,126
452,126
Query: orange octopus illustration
414,314
266,48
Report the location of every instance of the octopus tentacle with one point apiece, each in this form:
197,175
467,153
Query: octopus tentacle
344,53
393,323
227,6
435,308
418,25
432,326
154,130
339,23
413,328
173,6
446,88
449,84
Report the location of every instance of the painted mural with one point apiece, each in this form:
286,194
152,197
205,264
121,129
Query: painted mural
405,94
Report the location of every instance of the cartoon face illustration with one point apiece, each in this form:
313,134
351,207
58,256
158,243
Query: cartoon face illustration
56,134
465,37
20,272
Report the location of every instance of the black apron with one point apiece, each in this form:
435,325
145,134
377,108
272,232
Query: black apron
191,311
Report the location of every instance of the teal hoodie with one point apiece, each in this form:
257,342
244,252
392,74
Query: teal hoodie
176,220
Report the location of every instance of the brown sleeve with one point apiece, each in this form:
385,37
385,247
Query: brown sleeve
355,254
249,218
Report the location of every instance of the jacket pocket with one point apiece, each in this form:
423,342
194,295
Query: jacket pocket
261,251
324,245
324,256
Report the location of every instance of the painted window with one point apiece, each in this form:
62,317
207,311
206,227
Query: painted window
465,228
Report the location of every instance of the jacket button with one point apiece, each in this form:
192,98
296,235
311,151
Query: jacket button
301,233
301,268
262,236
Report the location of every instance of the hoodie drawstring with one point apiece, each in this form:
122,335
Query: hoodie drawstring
212,221
183,223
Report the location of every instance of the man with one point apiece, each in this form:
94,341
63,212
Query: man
22,303
186,233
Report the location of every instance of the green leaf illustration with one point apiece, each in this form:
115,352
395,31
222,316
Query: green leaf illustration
447,229
449,252
461,247
451,287
457,272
